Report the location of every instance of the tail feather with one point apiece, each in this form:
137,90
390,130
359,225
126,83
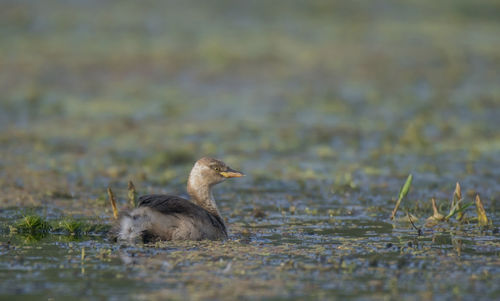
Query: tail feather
130,226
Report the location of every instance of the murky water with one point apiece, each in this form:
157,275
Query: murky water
301,257
326,107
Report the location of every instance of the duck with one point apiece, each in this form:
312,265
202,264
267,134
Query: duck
159,217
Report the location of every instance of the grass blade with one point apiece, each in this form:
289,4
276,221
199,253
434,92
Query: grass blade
132,194
402,193
113,203
457,195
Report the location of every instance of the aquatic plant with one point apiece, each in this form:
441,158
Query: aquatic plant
482,219
402,193
111,197
71,226
436,216
132,194
457,199
31,224
36,225
457,208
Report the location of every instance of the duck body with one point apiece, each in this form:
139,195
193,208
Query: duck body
168,217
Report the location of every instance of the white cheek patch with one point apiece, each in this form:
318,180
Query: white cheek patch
196,175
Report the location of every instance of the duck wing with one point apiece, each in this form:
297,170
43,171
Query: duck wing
169,204
178,207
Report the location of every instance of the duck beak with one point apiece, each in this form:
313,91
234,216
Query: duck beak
231,173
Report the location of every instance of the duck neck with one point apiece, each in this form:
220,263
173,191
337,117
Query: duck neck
201,195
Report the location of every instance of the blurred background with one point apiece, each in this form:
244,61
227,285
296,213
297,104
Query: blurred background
323,104
97,91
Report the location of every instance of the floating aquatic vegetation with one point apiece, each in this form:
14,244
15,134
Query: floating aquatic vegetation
174,86
74,226
35,224
32,224
71,226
